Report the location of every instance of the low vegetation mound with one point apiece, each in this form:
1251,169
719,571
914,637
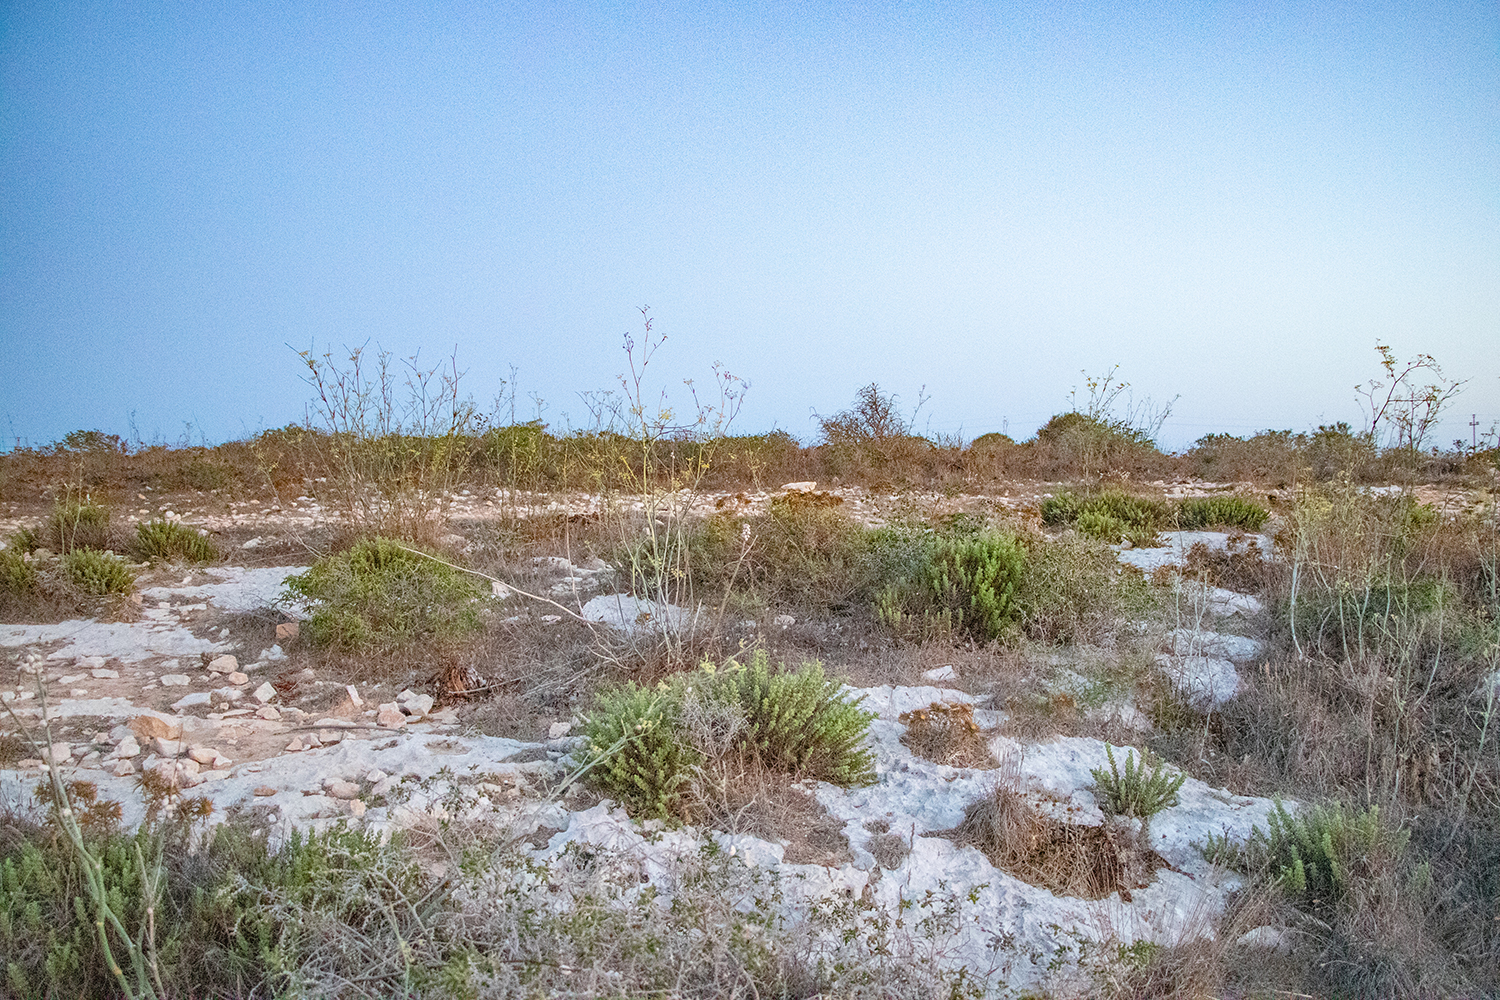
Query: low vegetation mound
646,744
172,540
384,595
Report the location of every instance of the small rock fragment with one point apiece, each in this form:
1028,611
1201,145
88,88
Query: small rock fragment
104,674
356,808
174,680
341,789
124,768
149,727
204,755
783,621
376,776
264,791
223,665
238,677
167,748
354,698
268,712
286,630
558,730
91,759
389,716
191,701
265,693
295,746
127,747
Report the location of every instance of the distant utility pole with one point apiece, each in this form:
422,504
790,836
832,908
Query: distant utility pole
1474,430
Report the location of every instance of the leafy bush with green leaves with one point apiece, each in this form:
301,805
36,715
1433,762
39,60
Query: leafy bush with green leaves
803,722
382,594
635,749
1108,515
98,573
967,582
200,474
1319,855
77,522
798,722
173,540
1074,592
1142,791
17,576
1220,511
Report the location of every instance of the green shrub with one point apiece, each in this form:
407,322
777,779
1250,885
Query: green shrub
199,474
96,572
803,722
639,750
77,522
1074,592
171,540
966,583
1220,511
379,594
17,576
1141,792
636,751
1107,515
1319,856
24,540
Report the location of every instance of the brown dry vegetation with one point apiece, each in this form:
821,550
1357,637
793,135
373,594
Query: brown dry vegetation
1382,622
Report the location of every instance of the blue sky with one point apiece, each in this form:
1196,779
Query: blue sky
1231,202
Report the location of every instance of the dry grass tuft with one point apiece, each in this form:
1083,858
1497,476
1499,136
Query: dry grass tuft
947,734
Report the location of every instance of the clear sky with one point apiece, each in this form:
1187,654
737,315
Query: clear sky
1234,202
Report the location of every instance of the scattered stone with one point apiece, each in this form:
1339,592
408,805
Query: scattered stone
354,698
551,619
167,748
126,747
124,768
91,759
264,791
1265,936
286,630
558,730
341,789
803,487
944,673
413,704
223,665
376,776
191,701
174,680
237,677
274,653
390,716
295,746
204,755
783,621
268,712
234,713
229,694
253,543
265,693
104,674
356,808
149,727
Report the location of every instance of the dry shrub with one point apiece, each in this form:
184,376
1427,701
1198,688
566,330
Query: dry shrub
947,734
1089,862
1241,566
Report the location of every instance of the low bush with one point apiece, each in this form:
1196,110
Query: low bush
1220,511
77,522
383,595
17,575
636,751
172,540
645,745
98,573
1073,591
967,583
1109,515
1142,791
1321,855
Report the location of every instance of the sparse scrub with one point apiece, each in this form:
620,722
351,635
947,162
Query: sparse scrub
18,577
946,734
172,540
642,751
966,583
380,595
98,573
1073,591
1141,791
77,522
1109,515
1220,512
